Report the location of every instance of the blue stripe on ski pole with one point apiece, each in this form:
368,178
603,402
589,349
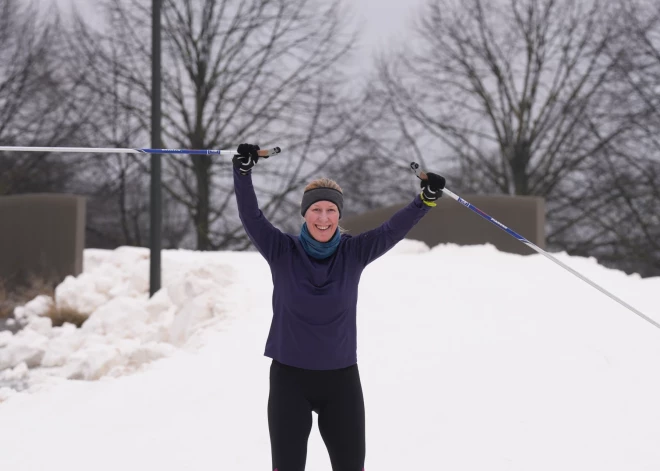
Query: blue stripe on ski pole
511,232
180,151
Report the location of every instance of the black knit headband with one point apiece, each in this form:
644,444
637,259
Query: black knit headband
321,194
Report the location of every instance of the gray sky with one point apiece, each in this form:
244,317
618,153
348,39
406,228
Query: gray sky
384,22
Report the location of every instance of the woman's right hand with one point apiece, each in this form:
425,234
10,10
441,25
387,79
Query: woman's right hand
246,158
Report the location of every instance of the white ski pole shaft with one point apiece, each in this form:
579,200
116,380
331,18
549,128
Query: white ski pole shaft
104,150
415,168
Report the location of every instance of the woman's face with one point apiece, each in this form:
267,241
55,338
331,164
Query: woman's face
322,219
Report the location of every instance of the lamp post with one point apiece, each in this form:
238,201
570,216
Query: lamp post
155,235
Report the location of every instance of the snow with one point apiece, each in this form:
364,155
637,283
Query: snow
470,359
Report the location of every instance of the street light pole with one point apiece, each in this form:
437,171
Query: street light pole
156,159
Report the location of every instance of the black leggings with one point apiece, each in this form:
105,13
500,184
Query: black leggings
336,396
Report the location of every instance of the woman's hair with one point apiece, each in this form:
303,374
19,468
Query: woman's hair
323,183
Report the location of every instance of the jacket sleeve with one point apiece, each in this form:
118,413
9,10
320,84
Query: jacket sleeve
370,245
268,240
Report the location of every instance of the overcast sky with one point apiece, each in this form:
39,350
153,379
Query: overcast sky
384,22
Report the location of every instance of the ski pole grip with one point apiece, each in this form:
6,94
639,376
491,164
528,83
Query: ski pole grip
414,166
265,153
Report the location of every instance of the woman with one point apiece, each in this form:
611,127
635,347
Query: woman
312,339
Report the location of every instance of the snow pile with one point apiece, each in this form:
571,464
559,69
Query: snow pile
125,328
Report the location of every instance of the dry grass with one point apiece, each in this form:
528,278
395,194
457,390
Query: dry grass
20,293
5,306
17,293
62,316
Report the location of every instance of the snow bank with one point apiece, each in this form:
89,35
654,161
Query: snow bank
125,329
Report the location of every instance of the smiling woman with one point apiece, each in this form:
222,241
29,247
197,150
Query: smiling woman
322,219
321,207
313,334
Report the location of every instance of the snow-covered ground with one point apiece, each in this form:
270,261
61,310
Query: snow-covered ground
471,359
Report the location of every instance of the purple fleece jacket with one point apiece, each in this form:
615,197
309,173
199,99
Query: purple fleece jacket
315,301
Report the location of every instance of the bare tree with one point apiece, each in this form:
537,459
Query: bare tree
510,88
37,102
266,71
526,97
116,185
624,226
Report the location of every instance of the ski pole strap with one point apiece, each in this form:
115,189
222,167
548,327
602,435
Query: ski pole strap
432,204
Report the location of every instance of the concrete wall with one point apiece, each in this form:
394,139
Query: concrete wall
451,222
41,234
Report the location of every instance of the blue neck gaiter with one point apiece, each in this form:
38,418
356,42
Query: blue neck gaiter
316,249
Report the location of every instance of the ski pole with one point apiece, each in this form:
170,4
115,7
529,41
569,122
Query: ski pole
101,150
418,171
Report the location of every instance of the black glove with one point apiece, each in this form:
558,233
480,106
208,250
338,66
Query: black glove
432,186
246,158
